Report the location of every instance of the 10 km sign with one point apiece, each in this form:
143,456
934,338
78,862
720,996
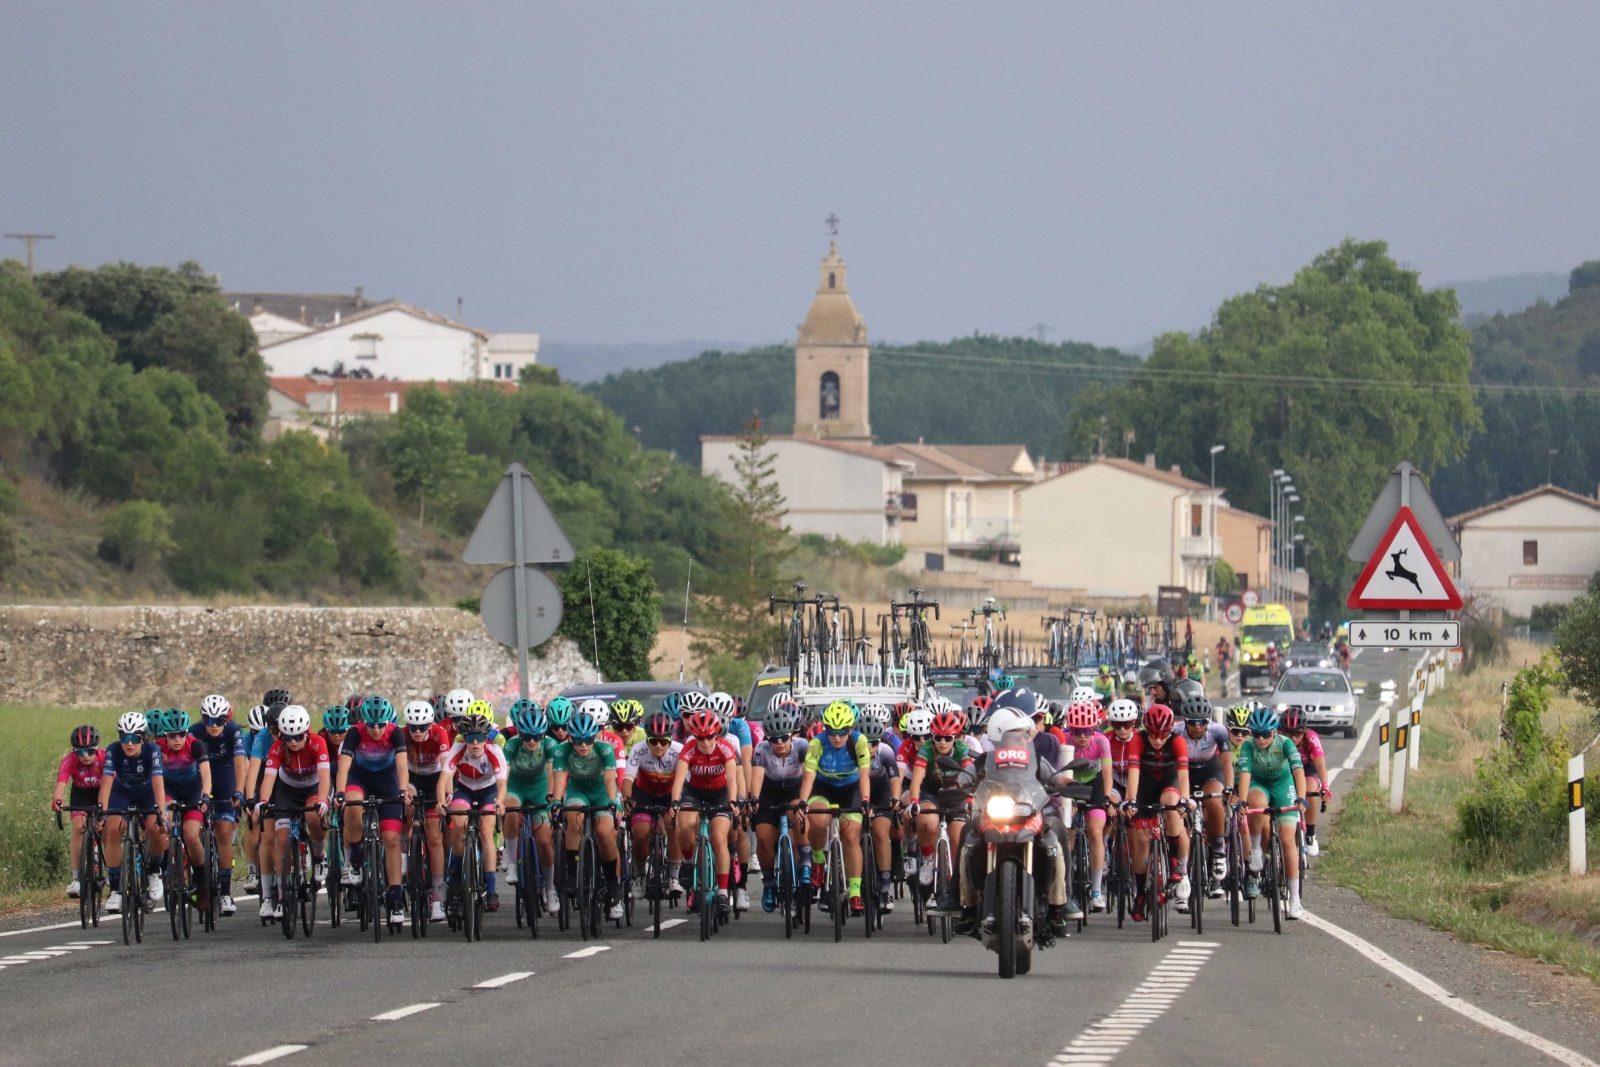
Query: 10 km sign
1440,634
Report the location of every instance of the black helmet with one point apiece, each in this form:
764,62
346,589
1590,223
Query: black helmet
1194,706
276,696
1157,670
86,737
1183,686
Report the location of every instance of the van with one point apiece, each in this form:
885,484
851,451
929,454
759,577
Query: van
1268,623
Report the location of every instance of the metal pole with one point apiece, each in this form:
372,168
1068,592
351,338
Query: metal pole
519,578
1402,724
1577,831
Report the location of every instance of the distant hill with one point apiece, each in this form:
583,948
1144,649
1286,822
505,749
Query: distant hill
1546,344
1505,294
972,390
582,361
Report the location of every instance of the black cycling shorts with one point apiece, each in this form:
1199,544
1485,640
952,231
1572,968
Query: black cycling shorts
773,803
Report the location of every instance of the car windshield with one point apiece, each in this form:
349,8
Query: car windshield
1261,633
1306,650
1052,686
1314,682
650,700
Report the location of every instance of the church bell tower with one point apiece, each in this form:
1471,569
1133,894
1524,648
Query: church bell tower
830,362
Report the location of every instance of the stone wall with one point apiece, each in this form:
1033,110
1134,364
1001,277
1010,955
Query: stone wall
172,656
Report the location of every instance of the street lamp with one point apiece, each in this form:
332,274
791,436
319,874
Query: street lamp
1211,585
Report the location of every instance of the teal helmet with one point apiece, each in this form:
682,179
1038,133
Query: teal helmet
336,719
559,712
529,719
175,721
584,727
375,711
157,719
672,704
1262,719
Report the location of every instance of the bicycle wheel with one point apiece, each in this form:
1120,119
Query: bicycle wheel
1235,880
308,892
372,889
177,885
783,867
625,864
290,871
837,896
1274,873
417,880
88,880
705,899
333,848
587,877
941,879
1080,875
131,901
477,899
869,882
1121,873
655,885
1199,872
140,865
213,869
1155,882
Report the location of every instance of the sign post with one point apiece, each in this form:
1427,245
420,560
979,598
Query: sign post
1577,831
521,607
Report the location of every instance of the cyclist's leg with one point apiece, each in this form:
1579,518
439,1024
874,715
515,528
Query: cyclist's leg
1177,837
817,820
1313,789
352,831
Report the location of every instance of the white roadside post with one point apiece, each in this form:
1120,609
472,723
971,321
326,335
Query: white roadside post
1577,829
1397,778
1386,702
1415,741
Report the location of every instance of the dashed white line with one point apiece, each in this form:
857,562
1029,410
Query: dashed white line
1429,988
1101,1041
401,1013
504,980
40,929
267,1055
584,953
668,923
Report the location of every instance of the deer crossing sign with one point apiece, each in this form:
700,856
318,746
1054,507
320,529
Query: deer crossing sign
1404,572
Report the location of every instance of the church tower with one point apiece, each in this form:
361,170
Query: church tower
830,362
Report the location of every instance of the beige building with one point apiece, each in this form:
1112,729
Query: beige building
1246,544
831,372
1535,548
961,500
846,489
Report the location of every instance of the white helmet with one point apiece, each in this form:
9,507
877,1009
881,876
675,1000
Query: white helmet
133,722
597,709
1041,704
1123,710
1006,720
876,712
695,700
257,719
456,701
722,704
1083,692
294,721
216,706
419,713
919,723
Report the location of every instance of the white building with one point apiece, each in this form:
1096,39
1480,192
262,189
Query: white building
1535,548
842,489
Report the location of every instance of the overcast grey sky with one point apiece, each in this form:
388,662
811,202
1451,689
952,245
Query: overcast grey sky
658,171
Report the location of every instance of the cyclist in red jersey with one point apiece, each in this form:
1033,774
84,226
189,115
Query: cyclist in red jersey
1158,773
427,741
700,789
81,767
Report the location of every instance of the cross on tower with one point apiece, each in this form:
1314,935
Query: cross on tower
832,222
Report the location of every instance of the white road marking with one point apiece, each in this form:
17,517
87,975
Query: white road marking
1101,1041
39,929
592,950
268,1055
1433,990
77,946
504,979
668,923
401,1013
1361,743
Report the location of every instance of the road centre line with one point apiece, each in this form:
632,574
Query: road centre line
584,953
1101,1041
1433,990
666,923
1361,743
504,980
401,1013
267,1055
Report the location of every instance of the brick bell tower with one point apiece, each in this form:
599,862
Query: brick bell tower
831,373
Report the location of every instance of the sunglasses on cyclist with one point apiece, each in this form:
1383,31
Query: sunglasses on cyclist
175,734
131,739
945,738
584,741
475,739
1236,731
654,741
778,739
839,733
1261,733
86,752
415,729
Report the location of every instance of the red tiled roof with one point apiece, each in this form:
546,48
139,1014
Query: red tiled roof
363,394
1555,490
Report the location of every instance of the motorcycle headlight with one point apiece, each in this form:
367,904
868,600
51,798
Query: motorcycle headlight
1001,806
1283,707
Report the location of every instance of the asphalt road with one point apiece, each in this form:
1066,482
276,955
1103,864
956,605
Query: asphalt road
1236,995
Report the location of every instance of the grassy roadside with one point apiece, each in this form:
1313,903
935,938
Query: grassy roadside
1411,866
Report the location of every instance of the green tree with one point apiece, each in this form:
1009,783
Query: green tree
137,534
1578,644
624,611
753,546
1353,314
426,449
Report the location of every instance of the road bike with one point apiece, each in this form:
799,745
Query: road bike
134,872
1119,861
371,905
791,893
1158,885
211,909
418,890
1199,861
657,871
1274,885
1233,884
178,882
297,884
91,865
528,894
466,892
703,890
871,884
333,850
586,894
1078,857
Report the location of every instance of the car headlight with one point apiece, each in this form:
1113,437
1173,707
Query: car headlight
1001,806
1340,709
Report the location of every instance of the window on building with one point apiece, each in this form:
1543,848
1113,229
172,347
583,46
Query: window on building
1530,553
830,279
1197,517
830,395
504,370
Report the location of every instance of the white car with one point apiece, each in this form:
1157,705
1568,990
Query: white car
1323,697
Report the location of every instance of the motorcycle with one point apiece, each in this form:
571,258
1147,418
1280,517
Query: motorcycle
1008,808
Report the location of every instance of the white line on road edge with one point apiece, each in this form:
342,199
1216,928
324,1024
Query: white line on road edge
1100,1042
504,979
401,1013
267,1055
1428,987
668,923
39,929
1361,743
592,950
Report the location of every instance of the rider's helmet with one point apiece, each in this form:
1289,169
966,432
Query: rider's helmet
782,719
978,713
901,709
722,704
294,721
1083,692
336,720
1015,699
256,718
473,723
1238,717
671,705
276,696
418,713
1123,710
216,706
598,709
1194,707
703,723
874,721
584,726
1156,671
919,724
1292,721
86,737
840,715
529,719
627,713
1158,720
456,702
374,711
1083,714
353,704
1186,685
658,724
947,724
481,707
695,700
1262,719
132,722
175,721
559,711
1004,720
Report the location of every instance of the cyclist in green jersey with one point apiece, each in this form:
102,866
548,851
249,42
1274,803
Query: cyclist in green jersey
1271,774
584,774
528,791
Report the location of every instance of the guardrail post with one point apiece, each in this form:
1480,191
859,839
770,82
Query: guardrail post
1383,746
1577,828
1415,742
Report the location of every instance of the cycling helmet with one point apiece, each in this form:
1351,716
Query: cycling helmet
559,711
1008,720
873,730
273,711
1083,692
1262,719
1083,714
132,722
456,702
256,719
276,696
598,710
696,700
672,706
782,719
627,712
155,721
919,723
902,708
1157,670
216,706
529,719
1292,721
584,726
175,721
482,707
874,713
1041,706
722,704
473,723
658,725
1238,717
1158,720
419,713
840,715
86,737
1015,699
1186,685
353,704
295,721
1194,707
374,711
947,724
1123,710
336,720
978,713
703,723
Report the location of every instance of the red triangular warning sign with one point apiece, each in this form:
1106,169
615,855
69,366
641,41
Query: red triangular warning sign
1404,572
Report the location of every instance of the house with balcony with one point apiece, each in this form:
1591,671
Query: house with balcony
848,489
962,502
1118,528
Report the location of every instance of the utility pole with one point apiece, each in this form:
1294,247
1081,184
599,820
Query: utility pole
1041,329
1211,605
30,238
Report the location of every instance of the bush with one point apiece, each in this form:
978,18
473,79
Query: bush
859,551
1546,617
624,616
137,534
